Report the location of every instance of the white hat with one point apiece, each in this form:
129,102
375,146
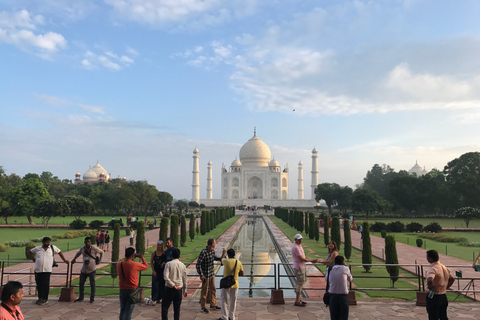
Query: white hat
298,236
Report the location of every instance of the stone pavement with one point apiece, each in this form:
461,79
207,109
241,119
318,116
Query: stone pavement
251,309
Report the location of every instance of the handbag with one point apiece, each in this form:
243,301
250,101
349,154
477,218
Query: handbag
228,281
326,295
136,295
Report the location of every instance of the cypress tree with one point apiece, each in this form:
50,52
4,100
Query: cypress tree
203,223
311,223
183,231
191,227
347,237
300,221
326,237
207,221
174,229
391,258
317,232
115,250
336,231
140,241
164,229
307,226
367,247
197,228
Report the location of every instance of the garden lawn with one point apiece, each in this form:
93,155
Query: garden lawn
444,222
22,220
358,272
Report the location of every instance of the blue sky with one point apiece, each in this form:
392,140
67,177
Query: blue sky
138,84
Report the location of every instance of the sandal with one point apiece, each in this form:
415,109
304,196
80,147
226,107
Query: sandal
299,305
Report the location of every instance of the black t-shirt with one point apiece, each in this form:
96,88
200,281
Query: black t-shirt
158,261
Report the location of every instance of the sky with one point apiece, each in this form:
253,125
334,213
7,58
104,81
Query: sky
137,85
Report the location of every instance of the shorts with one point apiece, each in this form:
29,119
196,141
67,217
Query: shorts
301,275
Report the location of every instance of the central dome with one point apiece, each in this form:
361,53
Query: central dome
255,153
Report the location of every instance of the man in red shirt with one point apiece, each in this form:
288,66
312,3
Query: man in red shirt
128,275
12,295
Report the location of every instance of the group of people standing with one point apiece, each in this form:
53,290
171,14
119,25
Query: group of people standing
103,239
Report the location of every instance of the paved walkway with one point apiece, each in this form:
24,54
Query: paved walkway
251,309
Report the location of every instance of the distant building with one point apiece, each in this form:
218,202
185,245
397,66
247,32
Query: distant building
417,170
94,175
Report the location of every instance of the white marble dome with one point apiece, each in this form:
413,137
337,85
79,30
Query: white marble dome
255,153
274,163
98,169
236,163
90,176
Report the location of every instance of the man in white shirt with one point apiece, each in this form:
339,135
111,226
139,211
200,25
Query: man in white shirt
299,267
43,256
338,277
175,275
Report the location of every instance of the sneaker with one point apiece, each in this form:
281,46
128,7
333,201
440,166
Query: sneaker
215,308
204,311
92,300
78,300
39,301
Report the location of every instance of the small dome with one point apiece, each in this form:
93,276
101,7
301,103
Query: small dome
209,163
77,174
124,179
236,163
195,151
300,163
90,176
274,163
255,153
98,169
314,150
417,170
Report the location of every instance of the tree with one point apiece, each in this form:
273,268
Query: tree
367,247
174,229
191,228
115,250
364,200
307,226
203,223
347,237
164,229
51,208
140,240
300,221
165,197
326,225
344,198
378,179
317,232
329,192
463,174
79,206
336,231
391,258
193,204
26,197
467,214
181,204
311,223
183,231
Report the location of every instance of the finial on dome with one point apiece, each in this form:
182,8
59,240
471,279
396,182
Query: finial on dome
254,131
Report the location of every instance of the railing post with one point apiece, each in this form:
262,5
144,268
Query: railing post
277,294
67,294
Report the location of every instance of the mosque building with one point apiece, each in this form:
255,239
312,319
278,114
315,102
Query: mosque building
417,170
94,175
255,179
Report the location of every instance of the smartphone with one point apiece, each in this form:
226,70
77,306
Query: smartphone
137,255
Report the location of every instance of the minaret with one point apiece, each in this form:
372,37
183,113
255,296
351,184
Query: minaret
300,180
314,171
196,177
209,180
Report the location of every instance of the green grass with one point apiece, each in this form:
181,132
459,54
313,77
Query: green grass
444,222
22,220
320,251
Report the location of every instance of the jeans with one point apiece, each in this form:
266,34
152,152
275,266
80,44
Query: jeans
209,293
83,278
437,307
158,287
126,308
338,306
175,296
229,303
42,279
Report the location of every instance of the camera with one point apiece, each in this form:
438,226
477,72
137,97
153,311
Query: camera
87,262
97,260
55,264
137,255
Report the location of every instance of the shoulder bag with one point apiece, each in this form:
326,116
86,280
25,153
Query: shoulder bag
326,295
54,264
136,295
229,281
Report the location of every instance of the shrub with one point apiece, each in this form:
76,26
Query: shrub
336,231
127,231
442,237
78,224
112,223
396,226
163,229
174,229
140,238
383,233
347,248
391,258
183,231
419,242
4,247
414,227
367,247
191,227
96,224
115,250
150,226
378,227
433,227
326,225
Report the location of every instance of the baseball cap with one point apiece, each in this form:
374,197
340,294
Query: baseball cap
298,236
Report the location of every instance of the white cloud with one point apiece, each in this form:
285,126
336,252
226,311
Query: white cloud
52,100
107,60
21,30
92,108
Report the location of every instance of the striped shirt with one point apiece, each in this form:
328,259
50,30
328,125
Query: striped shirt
205,261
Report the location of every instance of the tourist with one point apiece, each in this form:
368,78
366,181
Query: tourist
128,274
154,221
157,262
97,238
170,247
12,295
107,240
332,254
205,270
101,239
439,279
132,236
299,267
175,283
43,256
339,276
91,257
229,295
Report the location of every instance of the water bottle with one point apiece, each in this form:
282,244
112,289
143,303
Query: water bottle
430,294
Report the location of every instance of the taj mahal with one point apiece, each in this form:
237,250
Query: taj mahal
256,179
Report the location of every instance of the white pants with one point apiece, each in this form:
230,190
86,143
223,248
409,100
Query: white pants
229,303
